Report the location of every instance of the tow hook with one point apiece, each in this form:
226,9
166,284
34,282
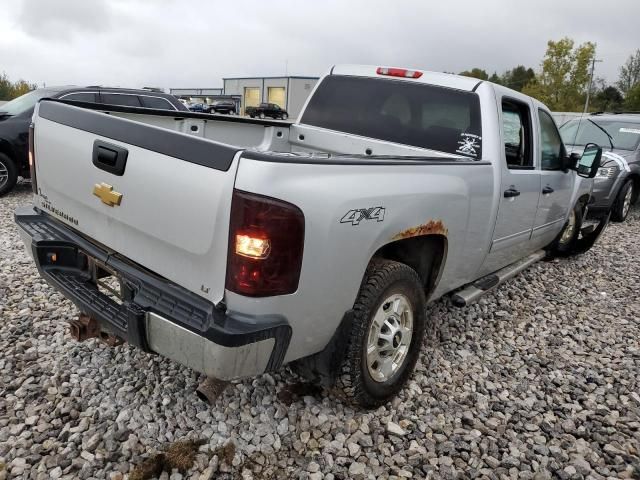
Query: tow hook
84,328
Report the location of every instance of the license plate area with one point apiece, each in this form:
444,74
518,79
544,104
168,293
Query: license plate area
108,282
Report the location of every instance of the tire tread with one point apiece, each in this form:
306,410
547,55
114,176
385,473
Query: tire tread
380,274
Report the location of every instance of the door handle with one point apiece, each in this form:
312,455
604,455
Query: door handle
511,192
547,189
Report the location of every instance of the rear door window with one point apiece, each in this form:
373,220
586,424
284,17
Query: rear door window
80,97
124,100
157,102
419,115
517,134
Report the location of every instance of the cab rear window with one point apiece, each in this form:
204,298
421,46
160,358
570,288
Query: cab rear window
419,115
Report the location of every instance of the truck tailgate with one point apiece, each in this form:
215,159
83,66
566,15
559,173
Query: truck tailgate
176,189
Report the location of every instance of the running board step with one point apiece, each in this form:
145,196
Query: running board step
472,292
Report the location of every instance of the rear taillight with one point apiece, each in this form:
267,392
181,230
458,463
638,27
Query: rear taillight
32,158
398,72
266,239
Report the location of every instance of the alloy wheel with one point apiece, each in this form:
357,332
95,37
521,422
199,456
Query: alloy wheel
4,174
389,337
569,230
626,203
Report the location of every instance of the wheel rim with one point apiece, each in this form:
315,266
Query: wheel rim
626,204
389,337
567,234
4,174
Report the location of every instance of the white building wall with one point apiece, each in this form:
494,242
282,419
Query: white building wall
299,91
296,90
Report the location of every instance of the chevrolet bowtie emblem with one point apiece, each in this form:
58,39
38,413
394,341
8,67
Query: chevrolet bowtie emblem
105,193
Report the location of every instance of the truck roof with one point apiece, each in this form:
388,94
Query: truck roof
432,78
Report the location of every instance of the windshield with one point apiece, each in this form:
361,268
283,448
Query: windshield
420,115
25,102
624,135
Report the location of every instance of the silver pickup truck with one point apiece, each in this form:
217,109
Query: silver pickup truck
236,246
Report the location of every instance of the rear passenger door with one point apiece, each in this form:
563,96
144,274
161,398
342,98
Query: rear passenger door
557,184
520,186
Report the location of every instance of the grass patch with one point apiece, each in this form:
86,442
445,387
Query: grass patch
179,455
226,453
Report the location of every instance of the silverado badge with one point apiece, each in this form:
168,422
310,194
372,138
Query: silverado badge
105,193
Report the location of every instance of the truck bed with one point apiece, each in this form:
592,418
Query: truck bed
280,136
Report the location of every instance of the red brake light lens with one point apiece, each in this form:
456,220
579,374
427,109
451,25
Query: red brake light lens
398,72
266,240
32,158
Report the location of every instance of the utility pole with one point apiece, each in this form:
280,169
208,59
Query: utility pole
593,66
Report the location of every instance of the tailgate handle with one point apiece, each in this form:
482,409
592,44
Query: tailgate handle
109,157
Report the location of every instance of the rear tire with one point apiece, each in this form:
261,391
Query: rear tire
262,116
386,335
8,174
623,202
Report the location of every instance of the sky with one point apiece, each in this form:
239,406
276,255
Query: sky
196,43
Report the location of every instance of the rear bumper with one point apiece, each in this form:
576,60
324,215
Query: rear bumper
154,314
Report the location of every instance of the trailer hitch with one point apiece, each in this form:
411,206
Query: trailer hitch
84,328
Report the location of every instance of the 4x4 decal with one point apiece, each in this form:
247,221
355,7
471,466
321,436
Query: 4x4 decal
354,217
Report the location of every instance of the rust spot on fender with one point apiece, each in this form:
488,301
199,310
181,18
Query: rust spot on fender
432,227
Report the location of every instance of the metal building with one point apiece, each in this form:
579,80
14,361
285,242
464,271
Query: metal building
197,95
289,93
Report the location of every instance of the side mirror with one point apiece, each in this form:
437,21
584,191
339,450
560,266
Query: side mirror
589,163
573,160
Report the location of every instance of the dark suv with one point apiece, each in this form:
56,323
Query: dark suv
223,106
15,117
617,184
267,110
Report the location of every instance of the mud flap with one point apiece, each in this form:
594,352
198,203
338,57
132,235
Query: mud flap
589,235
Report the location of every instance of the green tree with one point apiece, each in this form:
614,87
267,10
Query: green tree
495,78
476,73
562,83
6,87
21,87
632,98
607,99
630,73
10,90
518,77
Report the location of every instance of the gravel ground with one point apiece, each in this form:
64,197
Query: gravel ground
539,380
